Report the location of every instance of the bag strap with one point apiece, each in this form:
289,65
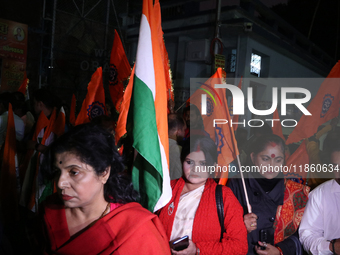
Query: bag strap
220,208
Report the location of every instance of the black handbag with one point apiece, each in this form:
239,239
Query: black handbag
220,208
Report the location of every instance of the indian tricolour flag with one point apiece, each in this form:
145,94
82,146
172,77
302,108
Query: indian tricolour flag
148,108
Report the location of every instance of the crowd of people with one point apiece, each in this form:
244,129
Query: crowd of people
84,201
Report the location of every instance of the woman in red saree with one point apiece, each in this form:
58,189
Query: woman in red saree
94,211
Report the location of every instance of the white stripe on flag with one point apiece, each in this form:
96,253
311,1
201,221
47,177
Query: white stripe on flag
144,60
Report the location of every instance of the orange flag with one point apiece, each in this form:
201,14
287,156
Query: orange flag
23,85
222,134
164,53
120,70
46,140
323,107
235,117
59,125
296,164
8,177
94,102
124,110
73,111
277,128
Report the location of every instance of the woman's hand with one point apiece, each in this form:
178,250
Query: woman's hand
191,250
250,220
270,249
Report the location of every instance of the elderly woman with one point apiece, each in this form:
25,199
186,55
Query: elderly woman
192,210
94,211
277,204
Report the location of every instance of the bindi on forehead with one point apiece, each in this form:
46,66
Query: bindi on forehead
273,155
60,162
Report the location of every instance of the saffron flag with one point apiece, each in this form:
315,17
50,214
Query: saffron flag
296,164
277,128
94,102
164,53
235,117
120,70
150,174
59,125
73,111
217,108
23,86
33,191
323,107
8,174
120,129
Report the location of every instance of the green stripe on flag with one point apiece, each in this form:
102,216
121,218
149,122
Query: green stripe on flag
147,172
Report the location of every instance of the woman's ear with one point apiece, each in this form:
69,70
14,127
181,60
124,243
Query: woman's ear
106,174
252,157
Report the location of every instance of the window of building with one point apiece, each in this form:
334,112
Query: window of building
255,64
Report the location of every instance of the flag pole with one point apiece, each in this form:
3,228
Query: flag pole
181,106
244,185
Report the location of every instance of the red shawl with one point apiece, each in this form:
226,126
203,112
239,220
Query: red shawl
288,215
129,229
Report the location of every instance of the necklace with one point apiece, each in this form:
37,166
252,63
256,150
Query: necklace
106,208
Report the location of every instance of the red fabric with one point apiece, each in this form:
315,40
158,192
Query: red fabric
8,178
289,215
23,85
73,111
94,102
120,70
206,227
128,229
323,107
298,158
59,125
277,128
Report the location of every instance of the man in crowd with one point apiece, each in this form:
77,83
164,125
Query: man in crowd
5,99
320,226
176,129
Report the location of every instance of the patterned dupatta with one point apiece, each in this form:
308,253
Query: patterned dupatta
288,215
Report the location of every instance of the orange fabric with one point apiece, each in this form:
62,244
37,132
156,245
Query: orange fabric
289,215
23,85
128,229
94,102
164,53
323,107
47,133
161,102
235,117
73,111
277,128
8,178
124,110
297,159
59,125
222,134
120,70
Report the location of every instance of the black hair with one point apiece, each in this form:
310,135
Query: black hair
260,143
5,99
200,143
194,108
258,130
96,147
331,144
46,96
175,121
